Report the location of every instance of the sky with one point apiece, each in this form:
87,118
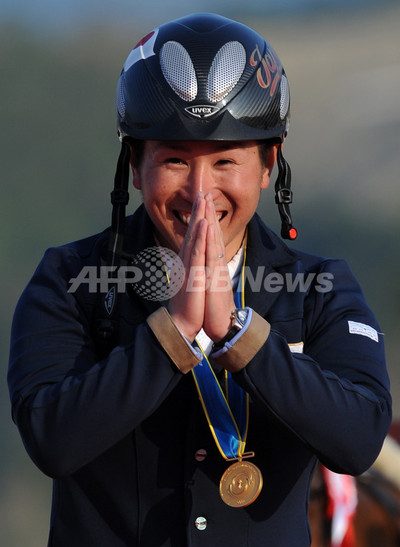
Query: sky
60,14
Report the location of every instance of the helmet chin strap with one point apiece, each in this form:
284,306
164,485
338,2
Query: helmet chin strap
106,324
284,196
119,200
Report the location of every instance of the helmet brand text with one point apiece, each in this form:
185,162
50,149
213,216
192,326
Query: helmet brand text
202,111
270,71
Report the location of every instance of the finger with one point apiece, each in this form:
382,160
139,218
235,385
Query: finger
211,248
216,266
195,255
219,234
217,247
197,263
219,295
198,213
187,306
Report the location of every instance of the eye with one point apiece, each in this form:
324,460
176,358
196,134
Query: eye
175,161
224,162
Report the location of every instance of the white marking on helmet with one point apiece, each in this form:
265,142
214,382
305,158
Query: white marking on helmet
143,50
285,95
121,95
226,69
178,70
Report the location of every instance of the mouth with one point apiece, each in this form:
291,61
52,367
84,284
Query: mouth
184,218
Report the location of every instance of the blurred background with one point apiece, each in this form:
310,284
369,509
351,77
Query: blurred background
59,64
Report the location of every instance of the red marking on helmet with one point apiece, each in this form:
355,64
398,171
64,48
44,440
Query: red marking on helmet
292,233
270,71
144,39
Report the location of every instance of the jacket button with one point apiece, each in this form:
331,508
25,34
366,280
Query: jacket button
200,523
200,455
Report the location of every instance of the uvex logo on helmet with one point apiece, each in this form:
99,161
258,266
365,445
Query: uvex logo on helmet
202,111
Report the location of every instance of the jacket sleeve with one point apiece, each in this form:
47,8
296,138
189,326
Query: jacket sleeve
334,395
68,407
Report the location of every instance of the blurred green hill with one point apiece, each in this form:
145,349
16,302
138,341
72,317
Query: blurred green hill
58,150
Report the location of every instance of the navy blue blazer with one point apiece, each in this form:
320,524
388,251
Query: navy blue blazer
121,435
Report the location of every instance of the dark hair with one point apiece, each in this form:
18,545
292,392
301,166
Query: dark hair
263,148
137,150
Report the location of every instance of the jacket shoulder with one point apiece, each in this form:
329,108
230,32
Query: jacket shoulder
85,247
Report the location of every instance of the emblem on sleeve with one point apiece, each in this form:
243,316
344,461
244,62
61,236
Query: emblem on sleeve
363,330
296,347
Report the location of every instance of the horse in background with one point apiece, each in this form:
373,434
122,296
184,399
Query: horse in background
366,511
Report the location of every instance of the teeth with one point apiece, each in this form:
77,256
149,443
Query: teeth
186,218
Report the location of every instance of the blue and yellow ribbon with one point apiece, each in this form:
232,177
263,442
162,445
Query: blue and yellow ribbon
227,412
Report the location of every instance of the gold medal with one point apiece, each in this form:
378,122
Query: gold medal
241,484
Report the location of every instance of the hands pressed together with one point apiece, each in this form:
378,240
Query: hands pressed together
206,298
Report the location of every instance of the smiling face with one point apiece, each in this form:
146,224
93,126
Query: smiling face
171,173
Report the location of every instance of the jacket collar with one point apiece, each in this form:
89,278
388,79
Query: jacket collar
266,254
139,232
264,247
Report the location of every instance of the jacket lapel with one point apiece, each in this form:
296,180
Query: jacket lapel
139,236
266,254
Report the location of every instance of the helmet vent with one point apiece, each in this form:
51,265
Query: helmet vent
226,69
178,70
284,106
121,96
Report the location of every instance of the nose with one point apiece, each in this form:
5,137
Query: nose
200,179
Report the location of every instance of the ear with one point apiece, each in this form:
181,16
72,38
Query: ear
271,160
135,171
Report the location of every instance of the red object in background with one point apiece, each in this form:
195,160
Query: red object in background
394,430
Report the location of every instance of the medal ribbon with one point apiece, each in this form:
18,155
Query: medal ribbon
227,413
